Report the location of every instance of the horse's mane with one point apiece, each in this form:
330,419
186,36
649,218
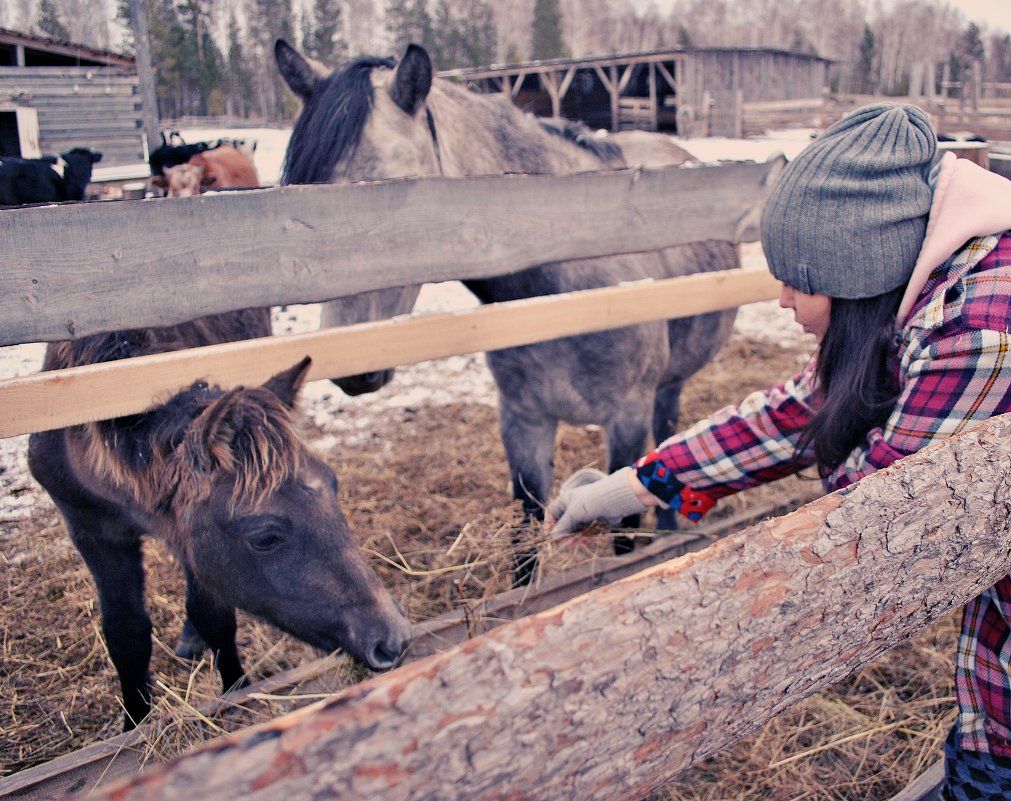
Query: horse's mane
165,455
330,126
579,134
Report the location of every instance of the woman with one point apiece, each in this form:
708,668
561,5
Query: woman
902,270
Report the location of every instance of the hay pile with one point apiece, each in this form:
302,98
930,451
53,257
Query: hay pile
427,493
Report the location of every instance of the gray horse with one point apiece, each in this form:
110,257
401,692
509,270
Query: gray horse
375,118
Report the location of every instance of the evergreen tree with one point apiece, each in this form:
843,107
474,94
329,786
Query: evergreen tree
270,20
547,40
408,21
323,40
49,22
864,78
238,76
478,40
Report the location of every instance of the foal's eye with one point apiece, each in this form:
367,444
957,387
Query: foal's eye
266,542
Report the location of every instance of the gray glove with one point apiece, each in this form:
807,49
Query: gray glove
589,495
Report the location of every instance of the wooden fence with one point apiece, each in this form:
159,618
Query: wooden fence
607,694
949,116
77,269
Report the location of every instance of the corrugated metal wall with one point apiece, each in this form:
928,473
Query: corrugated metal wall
94,107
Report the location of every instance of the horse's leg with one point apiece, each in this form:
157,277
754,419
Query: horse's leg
111,548
666,408
190,646
626,442
530,450
215,624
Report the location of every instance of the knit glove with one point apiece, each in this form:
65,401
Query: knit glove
589,495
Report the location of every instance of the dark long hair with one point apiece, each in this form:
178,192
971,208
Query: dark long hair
856,377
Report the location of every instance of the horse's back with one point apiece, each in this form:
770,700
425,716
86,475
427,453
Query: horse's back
647,149
213,329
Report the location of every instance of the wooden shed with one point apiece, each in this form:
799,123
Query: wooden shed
56,95
684,90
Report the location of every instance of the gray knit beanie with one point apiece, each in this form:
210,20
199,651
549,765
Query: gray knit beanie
848,215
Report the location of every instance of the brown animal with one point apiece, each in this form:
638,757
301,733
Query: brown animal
224,167
224,478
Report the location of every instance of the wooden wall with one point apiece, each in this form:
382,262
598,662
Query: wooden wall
94,107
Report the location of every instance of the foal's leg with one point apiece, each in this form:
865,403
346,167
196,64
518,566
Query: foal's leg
626,442
216,626
666,408
530,449
111,548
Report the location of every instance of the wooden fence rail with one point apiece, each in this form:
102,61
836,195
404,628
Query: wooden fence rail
80,269
130,265
613,693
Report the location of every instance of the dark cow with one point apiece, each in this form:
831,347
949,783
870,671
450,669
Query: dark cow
43,181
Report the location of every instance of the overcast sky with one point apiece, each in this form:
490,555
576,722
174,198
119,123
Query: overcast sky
995,13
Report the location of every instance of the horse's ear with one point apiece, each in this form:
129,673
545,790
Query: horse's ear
287,384
413,79
300,73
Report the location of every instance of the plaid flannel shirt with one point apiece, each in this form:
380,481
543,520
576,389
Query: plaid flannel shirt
953,372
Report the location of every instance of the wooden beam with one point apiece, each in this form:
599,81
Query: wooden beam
667,76
124,755
924,786
81,268
566,82
626,76
99,391
549,81
613,693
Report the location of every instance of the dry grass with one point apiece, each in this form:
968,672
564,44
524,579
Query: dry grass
428,497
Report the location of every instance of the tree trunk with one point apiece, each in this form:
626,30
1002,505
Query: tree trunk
611,694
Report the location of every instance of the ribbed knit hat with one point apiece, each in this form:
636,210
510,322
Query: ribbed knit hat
848,215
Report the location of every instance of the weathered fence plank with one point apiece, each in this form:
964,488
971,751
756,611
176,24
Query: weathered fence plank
127,386
76,269
609,695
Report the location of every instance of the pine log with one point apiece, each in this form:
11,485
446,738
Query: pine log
613,693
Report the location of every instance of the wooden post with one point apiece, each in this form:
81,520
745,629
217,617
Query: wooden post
614,91
145,73
739,114
653,125
613,693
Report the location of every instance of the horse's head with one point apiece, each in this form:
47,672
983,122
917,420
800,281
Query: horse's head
257,519
365,121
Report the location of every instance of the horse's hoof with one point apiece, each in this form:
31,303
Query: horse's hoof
623,545
525,565
190,646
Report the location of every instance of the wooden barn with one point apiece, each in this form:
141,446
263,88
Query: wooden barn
57,95
684,90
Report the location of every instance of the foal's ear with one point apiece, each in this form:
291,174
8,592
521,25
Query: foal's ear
300,73
413,79
287,384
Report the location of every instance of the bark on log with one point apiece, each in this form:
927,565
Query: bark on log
611,694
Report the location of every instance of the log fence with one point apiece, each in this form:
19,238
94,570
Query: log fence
603,695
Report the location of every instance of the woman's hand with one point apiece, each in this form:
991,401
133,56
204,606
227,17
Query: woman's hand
589,495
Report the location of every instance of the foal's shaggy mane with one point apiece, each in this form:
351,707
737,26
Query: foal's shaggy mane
169,457
330,126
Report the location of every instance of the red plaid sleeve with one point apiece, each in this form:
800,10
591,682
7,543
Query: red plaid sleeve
736,448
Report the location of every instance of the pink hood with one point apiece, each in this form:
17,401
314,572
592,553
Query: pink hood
968,201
